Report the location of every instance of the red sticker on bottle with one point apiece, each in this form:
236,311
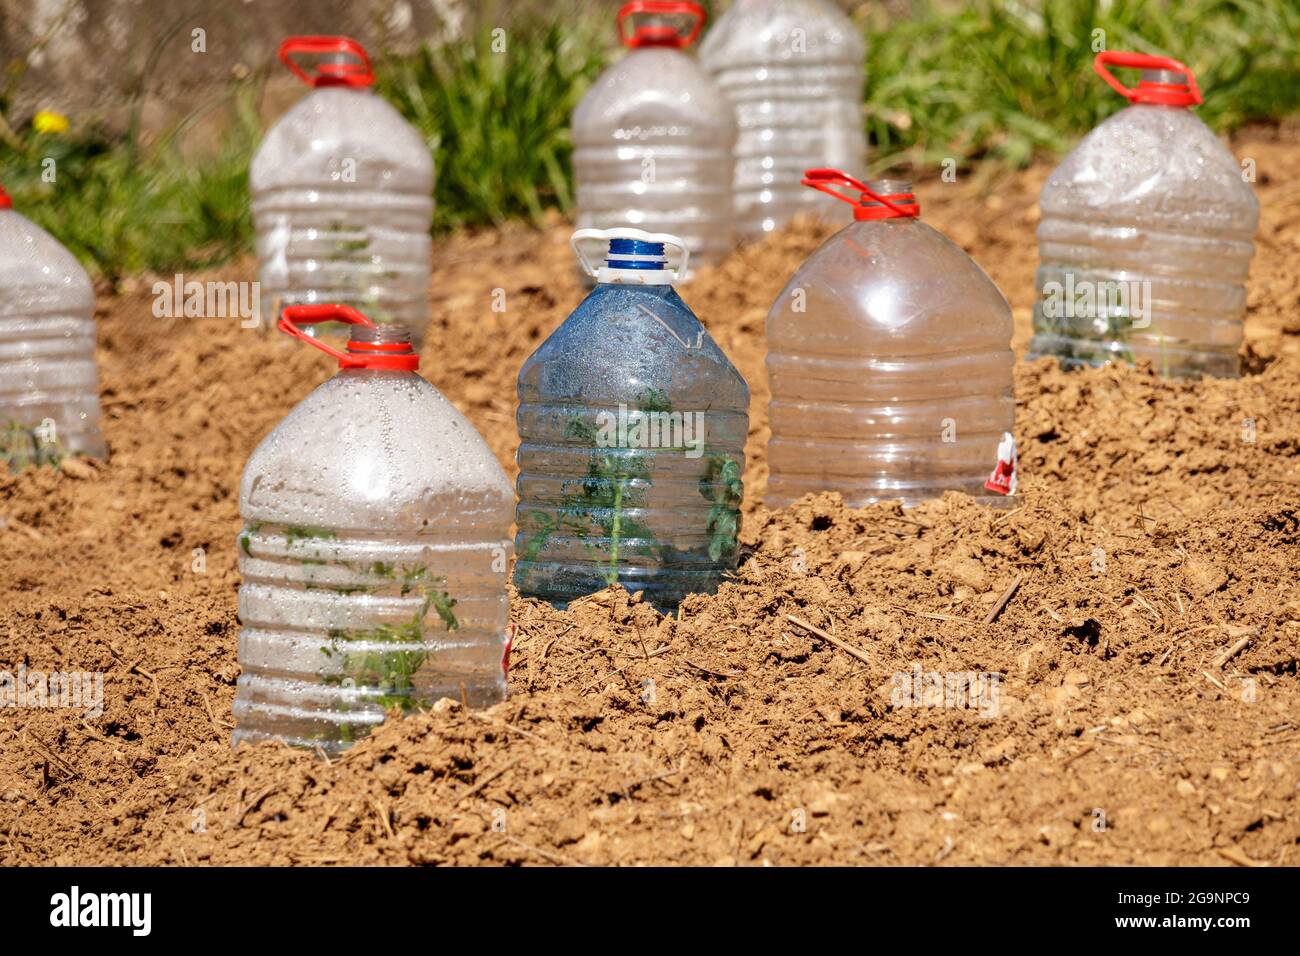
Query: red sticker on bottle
1003,478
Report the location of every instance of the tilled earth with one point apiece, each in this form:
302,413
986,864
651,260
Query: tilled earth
1140,608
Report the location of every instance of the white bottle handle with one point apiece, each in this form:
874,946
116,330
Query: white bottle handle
626,232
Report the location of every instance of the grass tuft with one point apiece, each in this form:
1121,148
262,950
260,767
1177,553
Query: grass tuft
497,120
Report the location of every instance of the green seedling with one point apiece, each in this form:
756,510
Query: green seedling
22,446
721,484
392,672
296,533
603,496
617,481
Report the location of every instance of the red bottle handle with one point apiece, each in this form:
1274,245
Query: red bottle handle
1167,94
356,74
393,356
647,34
5,201
824,179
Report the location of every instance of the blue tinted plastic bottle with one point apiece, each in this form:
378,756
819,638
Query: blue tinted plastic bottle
632,426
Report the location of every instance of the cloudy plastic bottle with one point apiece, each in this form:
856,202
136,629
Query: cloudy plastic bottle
343,195
374,551
793,71
652,138
632,427
1146,235
889,362
49,385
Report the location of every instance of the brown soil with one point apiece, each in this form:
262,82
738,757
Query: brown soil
1151,540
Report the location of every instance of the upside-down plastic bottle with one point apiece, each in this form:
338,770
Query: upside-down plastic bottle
889,361
374,550
343,194
1146,235
653,137
632,426
49,385
794,72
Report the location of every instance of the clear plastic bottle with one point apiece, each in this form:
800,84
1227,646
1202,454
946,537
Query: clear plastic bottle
49,385
632,427
374,550
794,71
1146,235
889,361
343,195
653,137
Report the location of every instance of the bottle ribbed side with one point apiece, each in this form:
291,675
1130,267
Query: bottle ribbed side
1111,290
369,249
340,627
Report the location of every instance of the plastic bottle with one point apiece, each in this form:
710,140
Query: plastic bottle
794,71
49,385
889,362
632,426
1146,235
374,550
653,137
343,195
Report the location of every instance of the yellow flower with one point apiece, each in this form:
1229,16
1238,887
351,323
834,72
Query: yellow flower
47,121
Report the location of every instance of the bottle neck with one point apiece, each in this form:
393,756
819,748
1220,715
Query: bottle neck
1163,88
635,262
899,204
384,348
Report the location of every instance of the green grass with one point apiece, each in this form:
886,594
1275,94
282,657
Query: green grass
125,208
498,121
995,80
1009,81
